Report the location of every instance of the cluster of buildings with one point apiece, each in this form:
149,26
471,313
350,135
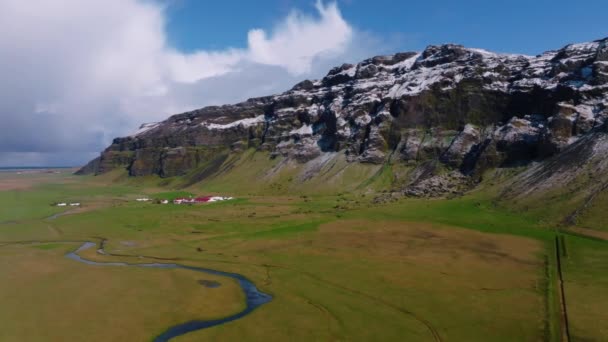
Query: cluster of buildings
200,200
188,200
181,200
63,204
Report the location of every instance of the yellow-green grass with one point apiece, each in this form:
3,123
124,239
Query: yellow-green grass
365,280
46,297
339,267
585,270
593,216
37,200
302,254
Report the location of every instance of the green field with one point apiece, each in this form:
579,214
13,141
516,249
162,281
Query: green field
339,266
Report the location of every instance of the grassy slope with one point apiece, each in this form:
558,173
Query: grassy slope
594,216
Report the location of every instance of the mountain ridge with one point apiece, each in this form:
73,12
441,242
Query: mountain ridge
448,113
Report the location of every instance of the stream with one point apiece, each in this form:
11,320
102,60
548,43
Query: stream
254,297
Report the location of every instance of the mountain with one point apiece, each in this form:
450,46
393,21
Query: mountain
443,117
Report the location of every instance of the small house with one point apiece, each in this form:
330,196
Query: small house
202,199
219,198
183,200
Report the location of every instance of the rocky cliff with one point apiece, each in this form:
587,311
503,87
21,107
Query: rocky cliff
448,113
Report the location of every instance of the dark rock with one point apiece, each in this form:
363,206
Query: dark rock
304,85
367,71
461,146
339,75
517,141
238,146
177,161
147,162
436,55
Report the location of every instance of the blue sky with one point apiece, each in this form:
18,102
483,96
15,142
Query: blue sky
519,26
76,74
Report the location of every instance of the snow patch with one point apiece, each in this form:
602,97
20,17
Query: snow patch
405,64
363,120
239,123
145,128
302,131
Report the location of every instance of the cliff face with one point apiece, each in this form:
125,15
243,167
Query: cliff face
449,112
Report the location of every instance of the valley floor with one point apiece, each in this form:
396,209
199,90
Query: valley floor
338,268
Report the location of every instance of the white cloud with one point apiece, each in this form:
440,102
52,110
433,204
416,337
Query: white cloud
194,67
299,39
77,73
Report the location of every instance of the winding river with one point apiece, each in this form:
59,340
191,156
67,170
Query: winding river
254,297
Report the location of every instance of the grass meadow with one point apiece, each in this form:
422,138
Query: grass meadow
339,266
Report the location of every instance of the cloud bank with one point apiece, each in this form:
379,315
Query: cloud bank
77,73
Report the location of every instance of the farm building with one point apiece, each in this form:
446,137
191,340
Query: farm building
219,198
204,199
183,201
64,204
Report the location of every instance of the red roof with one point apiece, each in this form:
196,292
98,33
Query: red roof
193,200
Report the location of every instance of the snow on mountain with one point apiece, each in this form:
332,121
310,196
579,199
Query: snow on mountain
469,108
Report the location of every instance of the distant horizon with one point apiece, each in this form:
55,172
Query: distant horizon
36,167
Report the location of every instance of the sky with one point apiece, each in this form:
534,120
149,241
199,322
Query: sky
75,74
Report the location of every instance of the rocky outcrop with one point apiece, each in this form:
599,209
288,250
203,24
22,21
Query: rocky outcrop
461,110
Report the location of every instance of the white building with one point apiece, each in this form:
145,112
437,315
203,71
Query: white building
219,198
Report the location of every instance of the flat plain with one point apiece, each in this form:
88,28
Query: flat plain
339,267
